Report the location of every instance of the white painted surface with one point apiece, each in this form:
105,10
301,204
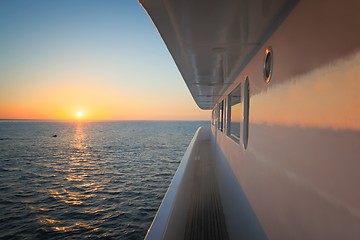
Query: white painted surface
299,177
300,172
212,41
170,220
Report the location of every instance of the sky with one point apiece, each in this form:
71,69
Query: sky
104,59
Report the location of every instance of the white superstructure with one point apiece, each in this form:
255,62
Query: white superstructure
281,158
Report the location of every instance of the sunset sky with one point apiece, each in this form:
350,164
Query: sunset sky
104,59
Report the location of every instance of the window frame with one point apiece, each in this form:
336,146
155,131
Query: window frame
236,138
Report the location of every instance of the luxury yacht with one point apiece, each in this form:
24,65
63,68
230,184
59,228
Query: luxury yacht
281,158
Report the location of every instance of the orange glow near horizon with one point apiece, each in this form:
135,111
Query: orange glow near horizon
325,97
53,98
98,113
95,103
52,68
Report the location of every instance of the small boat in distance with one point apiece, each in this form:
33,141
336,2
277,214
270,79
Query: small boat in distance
281,157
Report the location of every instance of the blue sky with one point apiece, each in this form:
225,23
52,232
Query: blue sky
109,46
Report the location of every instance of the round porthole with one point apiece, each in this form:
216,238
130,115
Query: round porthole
268,64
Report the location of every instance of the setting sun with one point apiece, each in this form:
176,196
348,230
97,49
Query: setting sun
63,71
79,114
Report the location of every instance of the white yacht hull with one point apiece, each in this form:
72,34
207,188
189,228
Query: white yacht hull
293,173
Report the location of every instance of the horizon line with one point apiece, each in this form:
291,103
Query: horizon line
101,120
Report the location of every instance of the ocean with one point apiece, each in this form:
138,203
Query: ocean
86,180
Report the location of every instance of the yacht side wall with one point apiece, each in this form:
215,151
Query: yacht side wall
299,175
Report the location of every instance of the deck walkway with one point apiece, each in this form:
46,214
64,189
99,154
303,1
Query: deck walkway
205,219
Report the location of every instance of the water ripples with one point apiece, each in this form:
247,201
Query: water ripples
95,180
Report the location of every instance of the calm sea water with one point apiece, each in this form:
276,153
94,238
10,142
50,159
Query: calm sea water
95,180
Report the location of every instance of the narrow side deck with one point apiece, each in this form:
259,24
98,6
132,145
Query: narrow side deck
192,208
205,217
204,199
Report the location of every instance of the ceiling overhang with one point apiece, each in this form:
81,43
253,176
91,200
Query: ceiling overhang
212,41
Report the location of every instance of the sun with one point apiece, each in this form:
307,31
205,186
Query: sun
79,114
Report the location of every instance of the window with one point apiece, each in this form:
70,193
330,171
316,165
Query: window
213,117
224,115
234,113
246,111
221,116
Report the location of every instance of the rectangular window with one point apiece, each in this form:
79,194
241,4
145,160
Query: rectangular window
235,113
224,114
221,116
213,117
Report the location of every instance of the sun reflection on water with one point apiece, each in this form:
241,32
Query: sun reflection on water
78,142
94,180
78,187
78,225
